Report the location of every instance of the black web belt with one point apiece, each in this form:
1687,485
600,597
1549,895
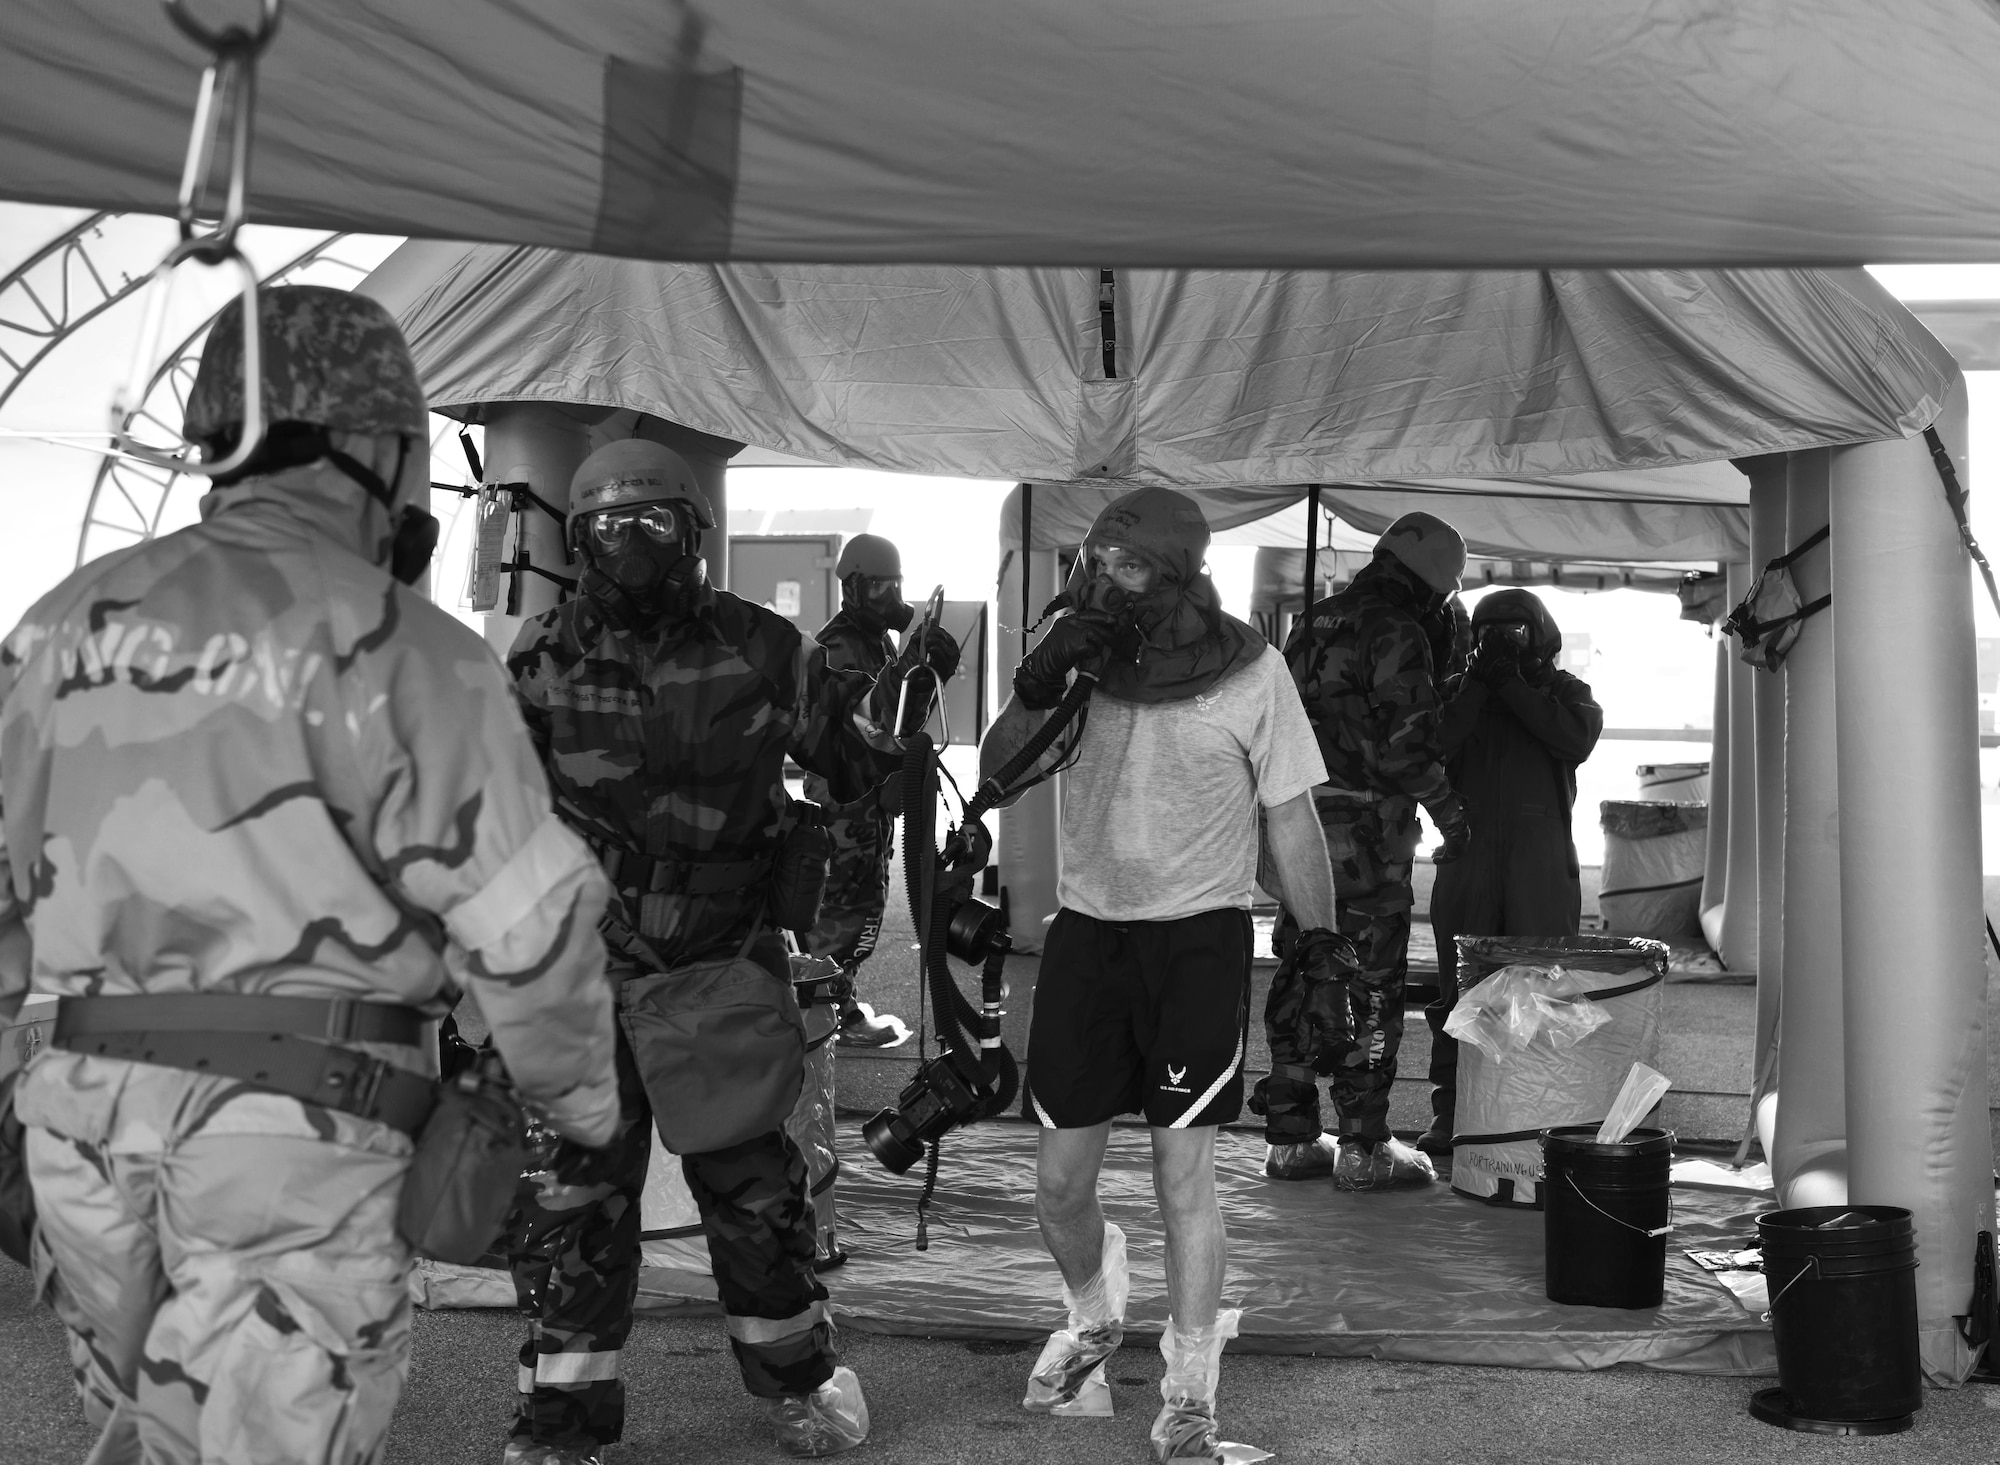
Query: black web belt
283,1044
631,871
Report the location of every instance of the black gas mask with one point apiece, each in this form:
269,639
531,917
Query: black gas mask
876,601
644,559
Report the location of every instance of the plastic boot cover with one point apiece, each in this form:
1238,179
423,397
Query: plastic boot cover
1390,1165
1069,1376
832,1418
1308,1161
863,1027
1185,1429
527,1452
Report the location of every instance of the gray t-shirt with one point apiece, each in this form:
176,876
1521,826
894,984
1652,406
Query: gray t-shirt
1159,815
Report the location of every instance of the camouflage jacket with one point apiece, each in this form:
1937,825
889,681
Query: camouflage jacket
1362,661
243,759
850,647
672,744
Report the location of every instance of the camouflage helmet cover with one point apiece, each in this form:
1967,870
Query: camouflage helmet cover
330,357
636,470
869,554
1431,549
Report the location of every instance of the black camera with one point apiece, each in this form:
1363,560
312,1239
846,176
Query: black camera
936,1101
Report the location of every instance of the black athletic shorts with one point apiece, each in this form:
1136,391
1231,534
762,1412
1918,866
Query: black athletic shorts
1143,1017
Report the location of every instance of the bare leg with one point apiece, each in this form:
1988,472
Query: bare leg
1066,1166
1197,1244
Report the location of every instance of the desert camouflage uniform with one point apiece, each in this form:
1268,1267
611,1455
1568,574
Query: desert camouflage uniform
1362,661
241,759
857,876
673,744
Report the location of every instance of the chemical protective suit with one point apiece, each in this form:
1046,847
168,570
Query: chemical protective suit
1513,730
243,764
1363,662
663,710
870,570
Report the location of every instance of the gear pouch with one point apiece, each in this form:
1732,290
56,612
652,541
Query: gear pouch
721,1049
798,875
17,1201
468,1160
1768,620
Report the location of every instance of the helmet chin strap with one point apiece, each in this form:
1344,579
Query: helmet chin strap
414,531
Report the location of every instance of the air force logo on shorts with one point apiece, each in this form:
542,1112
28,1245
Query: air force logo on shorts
1176,1079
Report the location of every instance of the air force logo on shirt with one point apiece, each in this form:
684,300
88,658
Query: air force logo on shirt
1175,1076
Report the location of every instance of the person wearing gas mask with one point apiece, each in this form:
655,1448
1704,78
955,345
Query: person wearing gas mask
1142,1001
860,637
664,709
267,813
1513,730
1365,661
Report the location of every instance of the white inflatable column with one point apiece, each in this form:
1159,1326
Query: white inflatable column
1809,1156
1915,1009
1739,901
1767,696
1028,839
541,445
1715,869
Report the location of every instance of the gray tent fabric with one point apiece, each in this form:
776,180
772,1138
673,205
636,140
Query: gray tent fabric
1226,380
1263,133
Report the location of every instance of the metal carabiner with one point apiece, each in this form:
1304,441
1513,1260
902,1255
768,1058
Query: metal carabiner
208,251
228,94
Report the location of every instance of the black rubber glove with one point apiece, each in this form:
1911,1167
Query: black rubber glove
1318,979
1454,834
1495,660
1077,639
934,648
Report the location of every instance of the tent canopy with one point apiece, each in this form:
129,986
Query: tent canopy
1263,133
1197,378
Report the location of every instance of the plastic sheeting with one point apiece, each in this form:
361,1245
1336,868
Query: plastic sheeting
1654,852
1563,381
1261,133
1417,1275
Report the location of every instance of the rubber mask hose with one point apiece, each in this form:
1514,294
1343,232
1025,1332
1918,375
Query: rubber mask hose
1000,785
919,854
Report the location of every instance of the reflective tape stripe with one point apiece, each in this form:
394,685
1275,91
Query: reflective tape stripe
575,1368
1215,1088
1041,1113
775,1329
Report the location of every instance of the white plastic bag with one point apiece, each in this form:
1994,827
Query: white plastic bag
1515,1005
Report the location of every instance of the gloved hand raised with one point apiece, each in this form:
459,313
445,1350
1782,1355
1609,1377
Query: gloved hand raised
933,648
1318,979
1454,833
1495,660
1077,639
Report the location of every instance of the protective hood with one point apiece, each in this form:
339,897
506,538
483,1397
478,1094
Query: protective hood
1185,643
1520,605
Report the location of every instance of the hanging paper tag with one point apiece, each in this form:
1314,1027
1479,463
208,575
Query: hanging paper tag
489,541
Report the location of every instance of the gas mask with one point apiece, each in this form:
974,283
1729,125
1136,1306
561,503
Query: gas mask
1769,618
643,559
877,601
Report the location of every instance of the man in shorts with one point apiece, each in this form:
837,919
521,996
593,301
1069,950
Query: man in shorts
1142,1004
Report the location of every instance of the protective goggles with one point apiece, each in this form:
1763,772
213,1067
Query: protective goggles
881,587
610,530
1514,631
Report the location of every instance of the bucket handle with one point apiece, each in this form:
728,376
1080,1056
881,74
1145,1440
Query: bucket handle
1654,1234
1812,1265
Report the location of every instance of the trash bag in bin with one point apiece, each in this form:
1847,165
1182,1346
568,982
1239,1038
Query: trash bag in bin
1654,856
1548,1028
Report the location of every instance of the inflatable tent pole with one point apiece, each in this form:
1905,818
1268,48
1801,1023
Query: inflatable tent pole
709,457
541,445
1739,901
1715,869
1809,1157
1767,695
1906,694
1028,837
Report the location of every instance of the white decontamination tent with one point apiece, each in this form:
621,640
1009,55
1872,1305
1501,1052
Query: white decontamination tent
1260,135
1582,414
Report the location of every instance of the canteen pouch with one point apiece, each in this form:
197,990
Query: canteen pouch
467,1165
798,875
17,1200
721,1049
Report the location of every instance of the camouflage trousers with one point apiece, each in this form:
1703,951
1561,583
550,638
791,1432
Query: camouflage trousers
1373,850
574,1253
857,882
225,1261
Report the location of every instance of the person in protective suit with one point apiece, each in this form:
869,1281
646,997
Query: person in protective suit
663,710
1142,1002
1365,661
267,812
1514,728
860,637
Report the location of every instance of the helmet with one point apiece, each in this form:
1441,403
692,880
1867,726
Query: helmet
869,554
331,359
1430,548
635,470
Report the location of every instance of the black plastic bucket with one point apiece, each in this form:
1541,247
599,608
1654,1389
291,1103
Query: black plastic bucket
1844,1310
1605,1215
